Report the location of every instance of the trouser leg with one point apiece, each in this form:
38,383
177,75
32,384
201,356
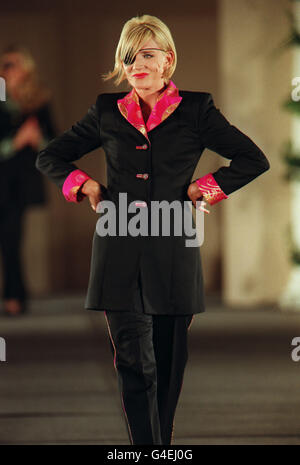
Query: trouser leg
170,339
11,225
170,343
132,337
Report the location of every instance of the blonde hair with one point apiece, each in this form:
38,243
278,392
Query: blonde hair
135,32
32,94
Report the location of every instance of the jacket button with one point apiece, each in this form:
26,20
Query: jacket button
140,204
142,147
142,176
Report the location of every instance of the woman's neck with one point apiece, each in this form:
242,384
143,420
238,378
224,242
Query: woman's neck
148,98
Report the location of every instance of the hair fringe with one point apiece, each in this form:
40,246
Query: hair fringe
135,31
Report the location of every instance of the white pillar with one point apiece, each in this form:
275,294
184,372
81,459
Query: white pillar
254,81
290,298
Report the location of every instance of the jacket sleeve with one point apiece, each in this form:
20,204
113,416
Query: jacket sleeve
247,159
55,160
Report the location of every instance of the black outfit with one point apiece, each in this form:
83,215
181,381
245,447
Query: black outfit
171,272
149,334
150,354
21,186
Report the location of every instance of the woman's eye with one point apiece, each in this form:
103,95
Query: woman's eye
148,55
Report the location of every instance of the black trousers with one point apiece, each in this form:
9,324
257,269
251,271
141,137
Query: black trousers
11,233
150,354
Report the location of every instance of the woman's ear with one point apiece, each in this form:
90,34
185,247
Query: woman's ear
170,57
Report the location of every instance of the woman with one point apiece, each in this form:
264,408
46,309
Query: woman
25,128
149,287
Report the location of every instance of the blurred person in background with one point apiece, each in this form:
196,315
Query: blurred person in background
26,126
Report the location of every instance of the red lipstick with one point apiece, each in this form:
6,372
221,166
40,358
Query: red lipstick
141,75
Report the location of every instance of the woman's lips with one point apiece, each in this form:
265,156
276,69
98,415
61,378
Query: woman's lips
140,75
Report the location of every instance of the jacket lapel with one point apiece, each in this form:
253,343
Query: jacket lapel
167,102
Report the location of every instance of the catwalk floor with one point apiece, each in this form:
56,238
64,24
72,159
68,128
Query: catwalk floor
58,385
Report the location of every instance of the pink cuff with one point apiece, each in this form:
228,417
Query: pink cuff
72,184
211,190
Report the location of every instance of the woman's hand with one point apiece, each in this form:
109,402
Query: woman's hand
93,190
28,134
194,193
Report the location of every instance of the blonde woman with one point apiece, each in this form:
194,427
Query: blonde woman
149,287
26,126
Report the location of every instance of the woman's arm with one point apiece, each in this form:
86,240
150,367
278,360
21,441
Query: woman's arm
247,159
7,148
11,139
55,160
7,132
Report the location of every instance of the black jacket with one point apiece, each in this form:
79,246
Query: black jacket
171,273
21,184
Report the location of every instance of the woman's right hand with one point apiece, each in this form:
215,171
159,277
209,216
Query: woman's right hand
29,133
94,191
195,194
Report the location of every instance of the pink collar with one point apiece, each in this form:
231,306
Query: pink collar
166,103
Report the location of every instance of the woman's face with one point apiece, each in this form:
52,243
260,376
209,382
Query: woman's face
152,63
12,70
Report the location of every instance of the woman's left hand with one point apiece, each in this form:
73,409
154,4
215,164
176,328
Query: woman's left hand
195,194
28,134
